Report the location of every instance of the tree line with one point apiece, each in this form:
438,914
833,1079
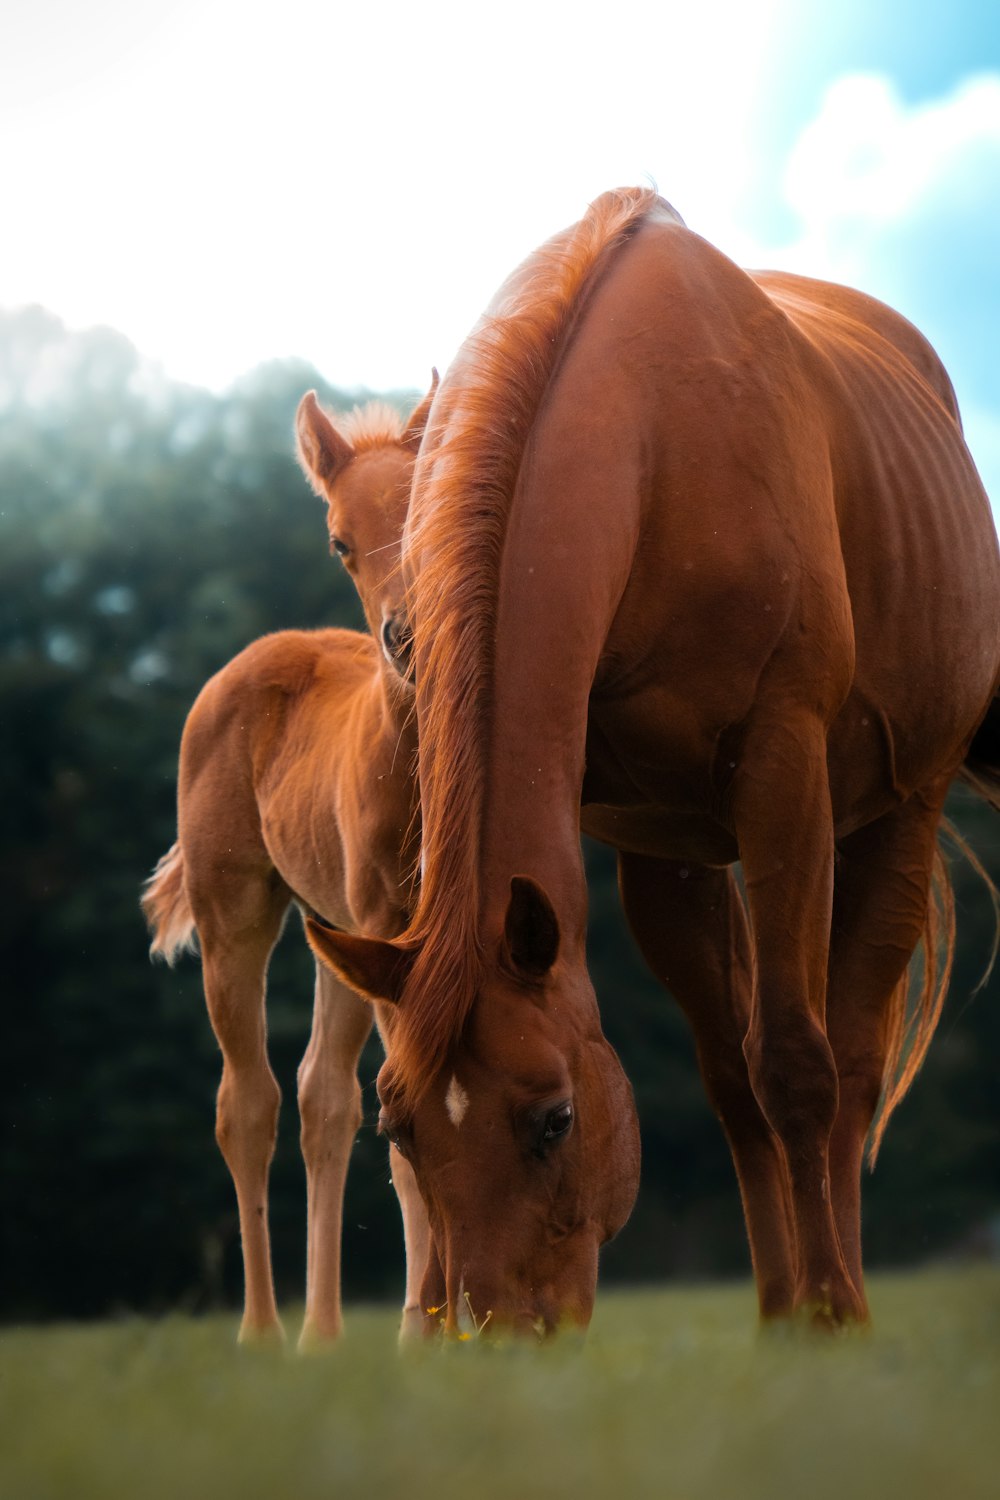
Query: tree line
149,531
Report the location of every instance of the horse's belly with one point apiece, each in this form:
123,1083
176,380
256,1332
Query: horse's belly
649,777
884,746
660,832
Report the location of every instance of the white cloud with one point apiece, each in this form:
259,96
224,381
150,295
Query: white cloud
866,159
873,181
904,202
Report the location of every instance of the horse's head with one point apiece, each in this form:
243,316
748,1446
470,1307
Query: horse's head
523,1135
362,466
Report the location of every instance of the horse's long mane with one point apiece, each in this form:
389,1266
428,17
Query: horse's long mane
462,494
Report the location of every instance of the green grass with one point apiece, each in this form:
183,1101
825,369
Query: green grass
673,1396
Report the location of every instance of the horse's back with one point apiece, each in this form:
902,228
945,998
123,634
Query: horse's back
840,318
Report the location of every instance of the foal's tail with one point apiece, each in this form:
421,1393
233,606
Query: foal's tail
167,910
912,1024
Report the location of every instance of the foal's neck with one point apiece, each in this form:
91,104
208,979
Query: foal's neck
397,699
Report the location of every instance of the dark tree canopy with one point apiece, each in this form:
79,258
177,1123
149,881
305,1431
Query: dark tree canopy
149,531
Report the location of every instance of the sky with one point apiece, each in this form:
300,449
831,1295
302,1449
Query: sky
227,183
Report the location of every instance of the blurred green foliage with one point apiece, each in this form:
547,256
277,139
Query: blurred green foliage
148,531
673,1397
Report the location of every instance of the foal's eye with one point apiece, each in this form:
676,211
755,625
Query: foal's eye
341,548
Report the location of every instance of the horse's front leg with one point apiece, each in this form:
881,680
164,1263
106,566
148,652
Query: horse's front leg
417,1239
780,800
691,927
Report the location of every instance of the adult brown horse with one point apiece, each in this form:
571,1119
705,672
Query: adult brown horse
705,550
297,783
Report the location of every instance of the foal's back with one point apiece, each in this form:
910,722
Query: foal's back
286,771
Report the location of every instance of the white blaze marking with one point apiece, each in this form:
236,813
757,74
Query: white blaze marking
456,1102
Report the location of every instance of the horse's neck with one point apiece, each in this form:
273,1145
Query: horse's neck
553,613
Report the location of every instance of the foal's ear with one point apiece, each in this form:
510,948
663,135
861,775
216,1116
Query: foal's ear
322,450
531,929
376,969
414,430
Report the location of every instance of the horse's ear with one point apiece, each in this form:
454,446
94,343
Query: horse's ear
414,430
376,969
322,450
531,929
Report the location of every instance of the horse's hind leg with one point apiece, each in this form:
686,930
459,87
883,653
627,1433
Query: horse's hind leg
238,928
780,800
882,888
690,924
330,1111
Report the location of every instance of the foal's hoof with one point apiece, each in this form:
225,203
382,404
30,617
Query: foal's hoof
314,1340
270,1336
415,1327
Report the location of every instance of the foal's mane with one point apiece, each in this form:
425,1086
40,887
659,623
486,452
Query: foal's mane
462,494
374,425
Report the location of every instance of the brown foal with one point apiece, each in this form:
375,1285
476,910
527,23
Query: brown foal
296,784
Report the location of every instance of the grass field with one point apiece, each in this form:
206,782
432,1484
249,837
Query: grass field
674,1396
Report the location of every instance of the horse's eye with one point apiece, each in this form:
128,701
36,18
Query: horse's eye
557,1122
390,1131
341,548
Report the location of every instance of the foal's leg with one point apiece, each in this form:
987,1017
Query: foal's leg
237,936
690,924
330,1110
330,1107
880,902
780,801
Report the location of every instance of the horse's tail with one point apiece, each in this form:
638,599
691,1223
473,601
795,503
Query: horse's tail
911,1022
912,1025
167,910
981,770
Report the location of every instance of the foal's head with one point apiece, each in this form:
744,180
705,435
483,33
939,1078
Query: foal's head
362,466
